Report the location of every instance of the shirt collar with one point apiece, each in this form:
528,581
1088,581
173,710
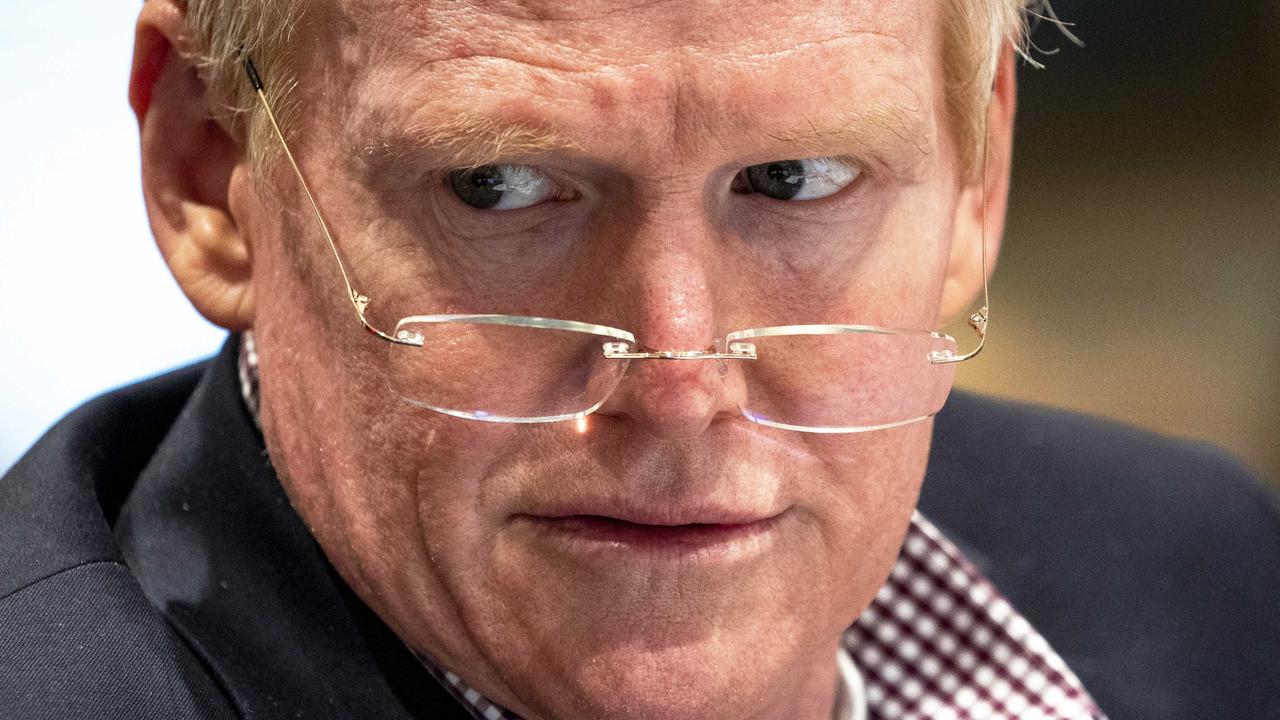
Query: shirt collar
937,642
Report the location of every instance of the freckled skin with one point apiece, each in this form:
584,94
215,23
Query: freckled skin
665,101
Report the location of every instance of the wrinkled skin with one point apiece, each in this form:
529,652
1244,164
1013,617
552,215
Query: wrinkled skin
655,109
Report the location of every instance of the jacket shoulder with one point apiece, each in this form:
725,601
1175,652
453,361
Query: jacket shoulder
80,639
85,643
1061,469
58,501
1150,563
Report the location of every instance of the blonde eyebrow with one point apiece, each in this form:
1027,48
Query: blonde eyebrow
469,141
871,127
466,141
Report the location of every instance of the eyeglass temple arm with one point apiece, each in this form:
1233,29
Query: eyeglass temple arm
358,300
978,320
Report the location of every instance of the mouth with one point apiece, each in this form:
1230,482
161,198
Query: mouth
717,536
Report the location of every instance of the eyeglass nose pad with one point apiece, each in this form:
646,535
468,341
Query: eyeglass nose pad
718,347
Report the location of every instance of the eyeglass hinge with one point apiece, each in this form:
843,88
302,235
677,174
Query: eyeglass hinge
978,321
360,301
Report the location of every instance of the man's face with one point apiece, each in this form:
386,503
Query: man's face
673,560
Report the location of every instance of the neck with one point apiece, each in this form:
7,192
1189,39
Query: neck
818,691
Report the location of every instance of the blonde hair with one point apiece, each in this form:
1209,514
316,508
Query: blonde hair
973,34
222,32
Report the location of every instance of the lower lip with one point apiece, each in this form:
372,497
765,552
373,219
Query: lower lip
598,535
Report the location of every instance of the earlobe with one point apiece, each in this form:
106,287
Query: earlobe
980,208
188,164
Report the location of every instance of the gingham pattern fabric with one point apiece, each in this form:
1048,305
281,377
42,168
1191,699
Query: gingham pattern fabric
248,367
938,642
480,707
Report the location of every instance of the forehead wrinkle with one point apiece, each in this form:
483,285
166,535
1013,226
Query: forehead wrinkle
681,84
884,128
585,34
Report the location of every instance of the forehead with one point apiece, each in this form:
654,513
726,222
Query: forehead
682,70
600,29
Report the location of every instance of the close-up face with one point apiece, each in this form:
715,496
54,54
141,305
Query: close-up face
679,171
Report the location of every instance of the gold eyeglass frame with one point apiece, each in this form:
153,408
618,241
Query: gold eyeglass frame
736,345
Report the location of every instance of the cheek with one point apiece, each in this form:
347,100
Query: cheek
394,495
904,281
866,507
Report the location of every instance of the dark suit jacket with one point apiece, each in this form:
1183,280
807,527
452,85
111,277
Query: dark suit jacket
151,566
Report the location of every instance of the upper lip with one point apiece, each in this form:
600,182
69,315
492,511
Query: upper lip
667,514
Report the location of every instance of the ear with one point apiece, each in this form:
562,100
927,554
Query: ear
980,216
187,163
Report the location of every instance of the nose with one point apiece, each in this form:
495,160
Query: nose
675,398
674,302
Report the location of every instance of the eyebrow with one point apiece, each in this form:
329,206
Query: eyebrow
465,141
874,128
469,140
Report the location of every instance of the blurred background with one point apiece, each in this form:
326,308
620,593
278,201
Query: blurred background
1139,280
1140,274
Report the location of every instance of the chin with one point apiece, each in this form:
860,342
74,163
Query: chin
649,640
708,677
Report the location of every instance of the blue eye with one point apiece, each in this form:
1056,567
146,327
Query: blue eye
501,187
809,179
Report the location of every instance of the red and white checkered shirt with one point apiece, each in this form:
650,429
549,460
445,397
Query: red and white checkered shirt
938,642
